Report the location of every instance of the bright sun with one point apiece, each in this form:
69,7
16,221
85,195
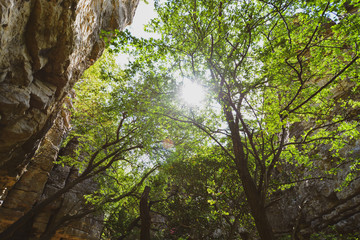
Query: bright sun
191,93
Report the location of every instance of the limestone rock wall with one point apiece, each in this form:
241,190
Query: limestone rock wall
41,180
69,216
29,188
45,45
44,48
316,205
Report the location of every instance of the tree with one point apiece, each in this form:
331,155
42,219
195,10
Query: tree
108,142
208,203
145,214
269,65
144,101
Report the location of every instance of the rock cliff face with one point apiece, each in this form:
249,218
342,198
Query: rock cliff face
45,45
316,205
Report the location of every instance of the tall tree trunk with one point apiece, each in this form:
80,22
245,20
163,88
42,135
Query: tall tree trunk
145,215
257,208
253,196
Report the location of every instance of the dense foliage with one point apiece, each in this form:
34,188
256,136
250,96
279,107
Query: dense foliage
281,108
282,82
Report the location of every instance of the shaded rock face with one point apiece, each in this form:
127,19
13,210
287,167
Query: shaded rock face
44,48
69,217
45,45
317,204
39,182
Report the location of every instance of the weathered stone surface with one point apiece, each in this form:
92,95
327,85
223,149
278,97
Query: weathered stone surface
40,180
307,209
8,216
316,204
42,94
72,203
29,187
44,48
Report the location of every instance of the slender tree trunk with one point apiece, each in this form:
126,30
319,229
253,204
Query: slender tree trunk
145,215
257,208
253,196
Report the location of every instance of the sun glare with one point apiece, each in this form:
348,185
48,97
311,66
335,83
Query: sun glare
192,93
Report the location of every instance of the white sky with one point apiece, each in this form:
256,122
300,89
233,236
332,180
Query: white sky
192,93
143,14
